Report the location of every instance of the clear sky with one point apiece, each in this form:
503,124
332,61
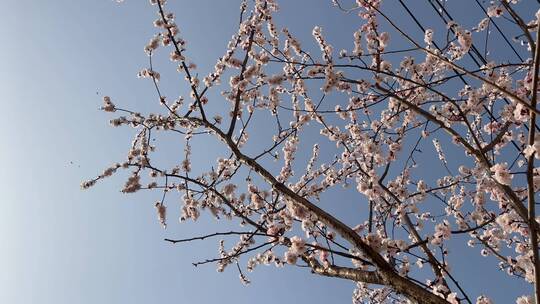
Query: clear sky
59,244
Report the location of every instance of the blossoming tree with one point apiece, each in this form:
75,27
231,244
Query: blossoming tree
376,111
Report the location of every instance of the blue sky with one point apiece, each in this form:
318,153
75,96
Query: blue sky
59,244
